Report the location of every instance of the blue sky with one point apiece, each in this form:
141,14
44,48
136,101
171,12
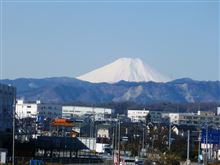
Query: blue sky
70,39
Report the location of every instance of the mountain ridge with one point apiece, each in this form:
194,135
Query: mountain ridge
64,89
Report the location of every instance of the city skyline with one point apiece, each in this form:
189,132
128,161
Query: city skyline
70,39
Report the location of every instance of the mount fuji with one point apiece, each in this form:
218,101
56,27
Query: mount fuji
127,69
134,88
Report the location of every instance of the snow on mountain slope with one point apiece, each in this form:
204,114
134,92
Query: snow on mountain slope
127,69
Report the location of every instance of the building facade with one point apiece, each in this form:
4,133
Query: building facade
156,116
137,115
218,110
7,101
37,109
79,111
193,119
103,133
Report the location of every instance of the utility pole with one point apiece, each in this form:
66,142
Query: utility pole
119,136
113,142
188,141
206,145
116,136
13,131
95,136
170,131
143,139
116,141
90,133
199,139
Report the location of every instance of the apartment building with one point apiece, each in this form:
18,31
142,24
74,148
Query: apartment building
36,109
193,119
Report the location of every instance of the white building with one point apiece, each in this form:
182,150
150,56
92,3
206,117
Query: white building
7,99
173,118
78,111
218,111
93,145
34,109
137,115
28,109
193,119
89,142
100,147
103,132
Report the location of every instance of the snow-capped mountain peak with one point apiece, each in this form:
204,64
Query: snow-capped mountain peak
127,69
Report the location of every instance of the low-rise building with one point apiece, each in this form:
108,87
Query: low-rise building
79,111
156,116
218,111
37,109
193,119
27,109
137,115
89,142
172,117
104,130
